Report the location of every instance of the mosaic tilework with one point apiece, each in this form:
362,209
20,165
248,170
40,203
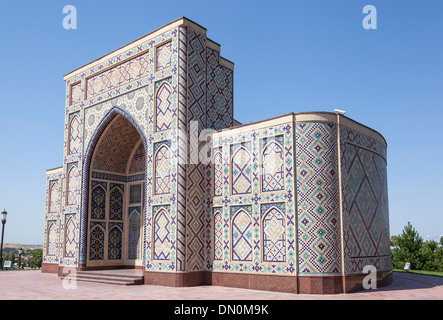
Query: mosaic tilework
76,93
163,106
75,134
218,174
242,237
54,196
257,204
163,56
118,76
162,170
115,238
116,202
162,235
135,193
218,234
97,241
98,200
182,125
272,162
53,212
52,243
317,191
70,237
115,147
365,203
241,171
138,161
219,89
198,213
73,182
134,223
274,243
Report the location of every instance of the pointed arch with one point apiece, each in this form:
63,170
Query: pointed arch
54,197
115,238
74,137
274,236
97,242
241,237
218,235
70,239
98,202
51,240
272,167
87,159
72,186
134,222
116,202
241,172
162,170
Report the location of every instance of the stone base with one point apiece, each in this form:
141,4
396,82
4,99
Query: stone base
288,284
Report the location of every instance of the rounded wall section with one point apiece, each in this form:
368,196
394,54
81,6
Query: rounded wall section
365,206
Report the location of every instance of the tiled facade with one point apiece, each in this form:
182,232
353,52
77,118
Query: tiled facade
294,199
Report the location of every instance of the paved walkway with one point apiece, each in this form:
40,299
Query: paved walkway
33,285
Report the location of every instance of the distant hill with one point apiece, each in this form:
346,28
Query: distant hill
15,246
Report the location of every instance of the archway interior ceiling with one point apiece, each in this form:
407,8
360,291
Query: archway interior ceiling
115,148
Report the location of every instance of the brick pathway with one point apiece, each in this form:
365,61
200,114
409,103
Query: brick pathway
32,285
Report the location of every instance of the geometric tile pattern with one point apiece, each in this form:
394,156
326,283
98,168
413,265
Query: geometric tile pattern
70,238
73,185
274,236
272,177
138,162
75,135
218,174
197,212
179,79
98,201
134,224
135,193
241,172
163,105
219,88
241,237
163,56
115,242
76,93
162,171
54,197
317,191
115,147
257,203
117,77
97,241
218,235
365,203
52,240
162,241
116,202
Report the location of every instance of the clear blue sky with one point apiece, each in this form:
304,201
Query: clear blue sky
290,56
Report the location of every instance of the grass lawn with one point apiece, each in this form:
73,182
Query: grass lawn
429,273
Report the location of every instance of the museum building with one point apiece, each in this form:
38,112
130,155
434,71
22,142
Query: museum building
159,177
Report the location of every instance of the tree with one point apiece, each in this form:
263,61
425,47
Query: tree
37,258
409,249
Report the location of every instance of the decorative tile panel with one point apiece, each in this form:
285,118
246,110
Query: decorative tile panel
163,56
98,200
317,191
118,76
134,241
